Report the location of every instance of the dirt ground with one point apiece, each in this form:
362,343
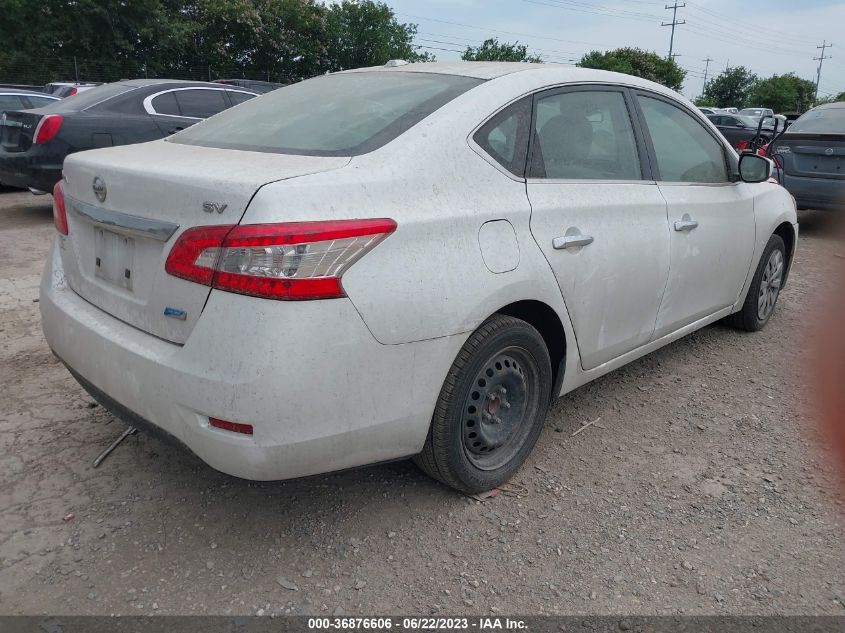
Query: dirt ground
703,489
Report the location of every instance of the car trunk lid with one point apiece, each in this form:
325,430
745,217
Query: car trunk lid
127,206
17,129
812,155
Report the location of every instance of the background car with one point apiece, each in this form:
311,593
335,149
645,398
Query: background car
35,142
405,261
812,155
737,128
63,89
11,99
707,110
757,113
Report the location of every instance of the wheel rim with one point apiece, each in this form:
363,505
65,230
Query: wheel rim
499,408
770,285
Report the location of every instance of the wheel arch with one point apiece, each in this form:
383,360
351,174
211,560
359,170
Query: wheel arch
787,233
548,323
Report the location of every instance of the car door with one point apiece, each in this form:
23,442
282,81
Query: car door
711,213
598,217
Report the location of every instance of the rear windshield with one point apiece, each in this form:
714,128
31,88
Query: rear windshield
88,98
333,115
820,121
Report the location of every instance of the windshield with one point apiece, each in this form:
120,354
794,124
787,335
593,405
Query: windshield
747,120
821,121
752,112
345,114
88,98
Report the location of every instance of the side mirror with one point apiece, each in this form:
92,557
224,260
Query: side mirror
754,168
742,125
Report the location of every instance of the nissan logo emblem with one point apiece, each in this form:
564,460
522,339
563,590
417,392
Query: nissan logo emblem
99,188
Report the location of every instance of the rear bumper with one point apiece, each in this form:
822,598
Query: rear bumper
320,391
816,193
33,168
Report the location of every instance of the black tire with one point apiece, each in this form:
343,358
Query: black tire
491,408
752,317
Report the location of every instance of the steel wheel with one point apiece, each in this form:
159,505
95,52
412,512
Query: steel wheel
770,285
504,391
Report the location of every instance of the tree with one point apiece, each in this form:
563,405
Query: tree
492,51
366,33
831,98
731,89
783,93
637,62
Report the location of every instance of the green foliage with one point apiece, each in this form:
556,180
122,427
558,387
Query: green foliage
783,93
704,102
493,51
831,98
637,62
732,88
279,40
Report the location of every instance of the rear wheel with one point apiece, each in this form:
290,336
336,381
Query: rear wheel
765,288
491,407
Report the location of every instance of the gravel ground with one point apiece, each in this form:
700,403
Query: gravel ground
703,489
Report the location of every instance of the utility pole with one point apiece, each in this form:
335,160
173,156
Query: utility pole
673,23
706,68
820,59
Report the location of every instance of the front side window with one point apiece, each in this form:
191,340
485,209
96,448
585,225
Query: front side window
201,104
584,135
505,136
346,114
685,150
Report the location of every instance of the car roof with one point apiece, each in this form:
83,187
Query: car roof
555,73
30,93
141,83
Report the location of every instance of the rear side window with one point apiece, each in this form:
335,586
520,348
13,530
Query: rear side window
11,102
239,97
39,102
584,136
201,104
820,121
685,150
505,136
346,114
165,103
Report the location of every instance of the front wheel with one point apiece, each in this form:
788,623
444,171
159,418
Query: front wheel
765,288
491,407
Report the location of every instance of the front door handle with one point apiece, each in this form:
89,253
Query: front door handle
686,224
572,241
173,130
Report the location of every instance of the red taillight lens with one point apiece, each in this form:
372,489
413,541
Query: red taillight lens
290,261
72,92
47,128
234,427
741,146
59,209
194,255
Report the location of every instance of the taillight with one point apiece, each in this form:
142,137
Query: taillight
72,92
290,261
47,128
59,209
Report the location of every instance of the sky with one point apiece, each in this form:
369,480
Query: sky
767,36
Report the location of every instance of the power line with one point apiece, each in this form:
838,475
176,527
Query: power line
673,24
820,59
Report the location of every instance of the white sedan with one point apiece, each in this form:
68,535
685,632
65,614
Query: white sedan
403,261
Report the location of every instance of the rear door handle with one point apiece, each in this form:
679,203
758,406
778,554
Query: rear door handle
572,241
685,225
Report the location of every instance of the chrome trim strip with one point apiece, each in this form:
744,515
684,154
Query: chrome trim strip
123,222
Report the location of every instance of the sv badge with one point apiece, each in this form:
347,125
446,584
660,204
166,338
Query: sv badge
214,207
